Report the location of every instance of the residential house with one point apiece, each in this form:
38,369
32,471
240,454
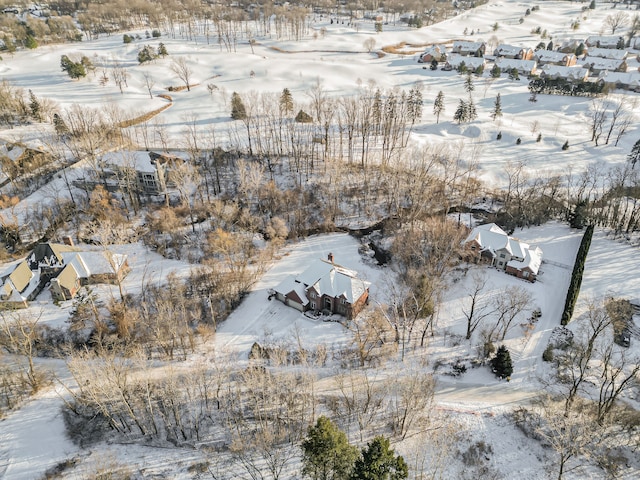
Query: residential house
78,269
19,285
434,52
17,159
551,57
570,74
469,49
490,244
147,172
455,61
514,52
325,287
571,45
604,41
623,80
524,67
608,53
596,65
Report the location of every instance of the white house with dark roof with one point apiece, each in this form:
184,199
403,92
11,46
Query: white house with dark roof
492,245
325,287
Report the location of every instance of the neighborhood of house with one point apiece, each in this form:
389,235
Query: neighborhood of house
62,267
325,287
490,244
604,59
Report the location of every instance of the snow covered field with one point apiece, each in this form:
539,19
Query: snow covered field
33,439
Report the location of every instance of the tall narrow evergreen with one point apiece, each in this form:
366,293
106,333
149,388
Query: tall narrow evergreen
438,105
497,108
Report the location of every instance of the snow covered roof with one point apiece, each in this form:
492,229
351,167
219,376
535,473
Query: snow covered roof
532,260
455,60
465,46
12,152
599,63
326,278
94,263
140,161
508,50
520,65
603,41
608,53
550,56
630,79
569,73
490,236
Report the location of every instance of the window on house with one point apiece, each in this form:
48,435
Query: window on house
502,255
525,274
313,305
312,295
343,301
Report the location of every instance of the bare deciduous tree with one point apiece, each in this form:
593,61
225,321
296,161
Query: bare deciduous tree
181,68
616,21
477,310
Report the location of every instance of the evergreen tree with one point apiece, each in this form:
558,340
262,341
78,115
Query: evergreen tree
238,111
35,107
434,64
438,105
73,69
468,84
579,50
162,50
461,112
30,42
415,103
127,38
501,363
497,108
59,125
471,114
565,145
303,117
379,462
513,74
634,155
550,45
286,102
592,5
326,453
495,71
147,54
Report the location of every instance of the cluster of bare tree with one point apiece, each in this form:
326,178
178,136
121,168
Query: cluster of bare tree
586,420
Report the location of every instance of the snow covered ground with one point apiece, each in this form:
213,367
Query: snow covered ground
32,439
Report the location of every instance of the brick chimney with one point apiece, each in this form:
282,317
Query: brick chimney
67,240
330,257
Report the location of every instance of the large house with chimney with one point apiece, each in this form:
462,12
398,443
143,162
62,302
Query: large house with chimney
491,245
325,287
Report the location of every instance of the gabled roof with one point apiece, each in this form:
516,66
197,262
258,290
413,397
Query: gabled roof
605,41
87,264
510,50
599,63
569,73
520,65
607,53
466,46
552,56
68,277
532,260
489,236
21,276
327,279
455,60
48,254
630,79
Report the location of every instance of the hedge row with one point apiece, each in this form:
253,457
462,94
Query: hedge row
560,86
576,276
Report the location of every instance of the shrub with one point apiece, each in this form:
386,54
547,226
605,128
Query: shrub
155,33
565,146
501,364
499,136
547,355
539,138
127,38
518,141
